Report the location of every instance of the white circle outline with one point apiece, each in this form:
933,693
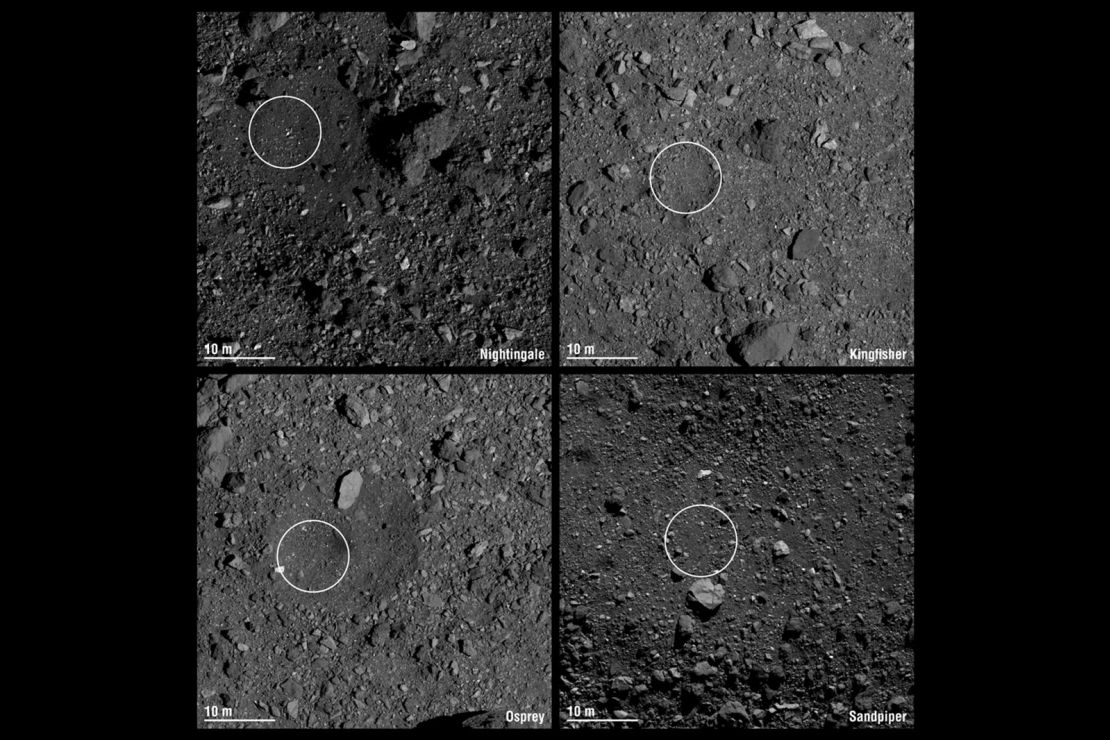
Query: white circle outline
735,540
281,569
319,139
720,178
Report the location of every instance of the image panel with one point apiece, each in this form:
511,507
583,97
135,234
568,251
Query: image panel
737,551
374,551
373,188
736,189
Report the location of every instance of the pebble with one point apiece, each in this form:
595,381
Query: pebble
350,486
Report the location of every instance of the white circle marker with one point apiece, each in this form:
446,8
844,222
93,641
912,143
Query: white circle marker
319,138
735,540
281,568
720,178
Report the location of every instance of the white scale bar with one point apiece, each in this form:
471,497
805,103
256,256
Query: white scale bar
235,359
602,358
240,720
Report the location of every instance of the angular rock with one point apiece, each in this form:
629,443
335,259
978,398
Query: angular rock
780,549
236,383
218,439
355,411
579,192
764,140
809,29
793,629
732,714
762,342
428,139
350,486
705,597
571,55
683,630
422,24
721,278
806,243
703,670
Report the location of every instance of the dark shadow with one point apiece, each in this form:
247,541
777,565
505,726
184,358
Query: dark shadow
386,132
439,164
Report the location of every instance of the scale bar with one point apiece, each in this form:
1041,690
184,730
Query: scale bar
602,358
603,720
236,359
240,720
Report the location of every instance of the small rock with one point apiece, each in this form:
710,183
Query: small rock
476,550
781,549
350,486
793,629
218,203
834,67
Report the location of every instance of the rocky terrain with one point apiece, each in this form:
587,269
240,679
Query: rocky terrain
806,255
373,188
813,618
411,517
